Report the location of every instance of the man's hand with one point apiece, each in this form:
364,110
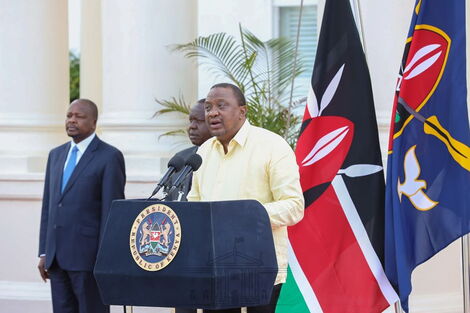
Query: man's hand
42,268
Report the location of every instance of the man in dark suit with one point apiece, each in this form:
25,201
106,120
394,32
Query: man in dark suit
83,177
198,133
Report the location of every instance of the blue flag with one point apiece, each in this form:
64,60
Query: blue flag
428,172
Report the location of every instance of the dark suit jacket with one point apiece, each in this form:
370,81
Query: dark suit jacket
186,186
72,222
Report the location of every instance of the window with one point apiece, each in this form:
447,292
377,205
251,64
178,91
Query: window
288,17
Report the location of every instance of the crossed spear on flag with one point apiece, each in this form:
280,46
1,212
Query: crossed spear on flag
458,150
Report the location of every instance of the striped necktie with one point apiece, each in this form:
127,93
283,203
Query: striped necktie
69,167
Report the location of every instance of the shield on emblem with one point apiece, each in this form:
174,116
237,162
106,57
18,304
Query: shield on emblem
154,238
424,65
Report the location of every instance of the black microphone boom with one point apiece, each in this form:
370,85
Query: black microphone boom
192,164
174,165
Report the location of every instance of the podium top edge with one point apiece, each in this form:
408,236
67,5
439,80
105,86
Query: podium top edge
152,201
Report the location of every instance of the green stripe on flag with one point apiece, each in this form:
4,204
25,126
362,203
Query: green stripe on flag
291,299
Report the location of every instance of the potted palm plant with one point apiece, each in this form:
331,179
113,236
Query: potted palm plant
263,70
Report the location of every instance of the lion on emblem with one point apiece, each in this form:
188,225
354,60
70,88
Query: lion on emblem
165,233
146,233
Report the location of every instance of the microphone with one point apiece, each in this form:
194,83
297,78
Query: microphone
192,164
174,165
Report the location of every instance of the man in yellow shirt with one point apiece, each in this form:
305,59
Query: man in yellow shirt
242,161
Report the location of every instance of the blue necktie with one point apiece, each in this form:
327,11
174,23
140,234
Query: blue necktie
69,167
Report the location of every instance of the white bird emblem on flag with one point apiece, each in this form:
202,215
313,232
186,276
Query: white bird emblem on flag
413,187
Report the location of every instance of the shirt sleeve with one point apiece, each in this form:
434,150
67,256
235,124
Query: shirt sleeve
288,206
194,194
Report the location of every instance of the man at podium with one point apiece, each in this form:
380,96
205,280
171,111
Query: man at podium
242,161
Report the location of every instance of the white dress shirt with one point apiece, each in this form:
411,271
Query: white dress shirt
81,146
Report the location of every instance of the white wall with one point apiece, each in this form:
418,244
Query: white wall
216,16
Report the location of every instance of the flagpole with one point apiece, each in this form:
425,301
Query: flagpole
465,239
358,17
398,307
465,273
359,25
357,8
289,108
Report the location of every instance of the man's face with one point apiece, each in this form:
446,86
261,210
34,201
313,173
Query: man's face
224,116
197,129
80,122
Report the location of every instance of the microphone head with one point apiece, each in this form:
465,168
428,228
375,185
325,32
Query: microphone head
194,161
177,162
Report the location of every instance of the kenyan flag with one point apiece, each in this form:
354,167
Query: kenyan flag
336,251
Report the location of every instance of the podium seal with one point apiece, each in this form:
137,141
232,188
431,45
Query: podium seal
155,237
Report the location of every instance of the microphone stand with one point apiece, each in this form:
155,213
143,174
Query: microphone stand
180,196
165,194
178,199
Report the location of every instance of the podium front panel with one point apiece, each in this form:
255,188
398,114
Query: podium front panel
225,255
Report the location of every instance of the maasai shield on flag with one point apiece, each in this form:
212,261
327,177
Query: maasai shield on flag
428,170
335,252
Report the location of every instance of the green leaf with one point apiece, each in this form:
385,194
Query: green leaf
74,76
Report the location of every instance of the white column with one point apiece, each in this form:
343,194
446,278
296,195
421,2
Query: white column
34,93
91,65
137,68
34,80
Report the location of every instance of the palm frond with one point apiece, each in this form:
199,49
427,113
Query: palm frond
274,67
284,58
219,52
178,105
255,44
261,65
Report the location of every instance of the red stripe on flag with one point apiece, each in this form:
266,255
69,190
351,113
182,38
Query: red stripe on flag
332,260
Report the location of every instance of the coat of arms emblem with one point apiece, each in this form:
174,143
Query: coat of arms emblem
155,237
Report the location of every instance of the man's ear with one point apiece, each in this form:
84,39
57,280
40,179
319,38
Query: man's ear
243,109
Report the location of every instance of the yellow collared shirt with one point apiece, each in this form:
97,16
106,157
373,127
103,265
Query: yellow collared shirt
259,165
